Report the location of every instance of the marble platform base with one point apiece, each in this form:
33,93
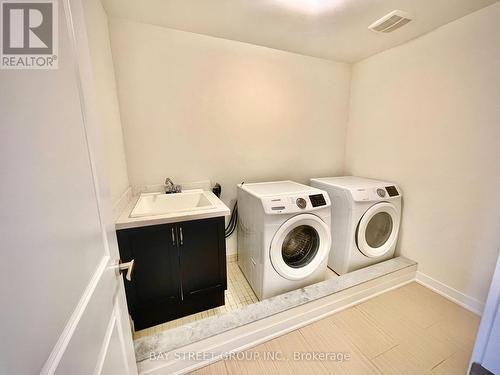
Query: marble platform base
172,339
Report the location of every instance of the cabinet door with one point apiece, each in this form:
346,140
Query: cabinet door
202,251
156,273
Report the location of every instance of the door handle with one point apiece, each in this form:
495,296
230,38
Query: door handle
173,237
128,266
181,236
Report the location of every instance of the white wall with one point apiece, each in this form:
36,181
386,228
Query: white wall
196,107
427,116
107,100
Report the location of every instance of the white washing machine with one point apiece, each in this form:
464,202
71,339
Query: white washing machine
283,236
365,221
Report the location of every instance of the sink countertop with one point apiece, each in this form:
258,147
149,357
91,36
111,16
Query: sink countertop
124,220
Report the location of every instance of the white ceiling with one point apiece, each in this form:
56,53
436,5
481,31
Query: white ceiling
332,29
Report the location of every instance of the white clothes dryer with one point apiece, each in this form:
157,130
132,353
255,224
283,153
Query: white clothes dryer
366,215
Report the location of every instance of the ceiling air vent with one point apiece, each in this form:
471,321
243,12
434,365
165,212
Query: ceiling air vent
390,22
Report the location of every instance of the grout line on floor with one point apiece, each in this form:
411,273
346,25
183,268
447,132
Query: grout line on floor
238,294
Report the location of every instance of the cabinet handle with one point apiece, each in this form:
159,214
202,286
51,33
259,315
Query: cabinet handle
122,267
173,237
182,237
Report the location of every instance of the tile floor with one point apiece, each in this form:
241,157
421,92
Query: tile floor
238,294
409,330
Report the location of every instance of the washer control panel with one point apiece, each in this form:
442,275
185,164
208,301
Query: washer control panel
295,204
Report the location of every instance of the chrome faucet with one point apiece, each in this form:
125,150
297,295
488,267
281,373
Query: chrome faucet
170,187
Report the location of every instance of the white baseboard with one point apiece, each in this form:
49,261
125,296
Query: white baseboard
467,302
257,332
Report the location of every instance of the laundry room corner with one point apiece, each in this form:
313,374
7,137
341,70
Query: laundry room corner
419,115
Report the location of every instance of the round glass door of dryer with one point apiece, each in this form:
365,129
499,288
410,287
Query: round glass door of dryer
299,246
377,230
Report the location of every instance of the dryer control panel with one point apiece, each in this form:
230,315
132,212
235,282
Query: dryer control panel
375,194
295,204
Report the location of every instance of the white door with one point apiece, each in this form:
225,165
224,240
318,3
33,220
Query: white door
486,351
63,307
299,246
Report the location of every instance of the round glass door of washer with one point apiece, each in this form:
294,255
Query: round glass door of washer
377,230
299,246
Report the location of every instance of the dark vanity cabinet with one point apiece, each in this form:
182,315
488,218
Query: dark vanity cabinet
180,269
